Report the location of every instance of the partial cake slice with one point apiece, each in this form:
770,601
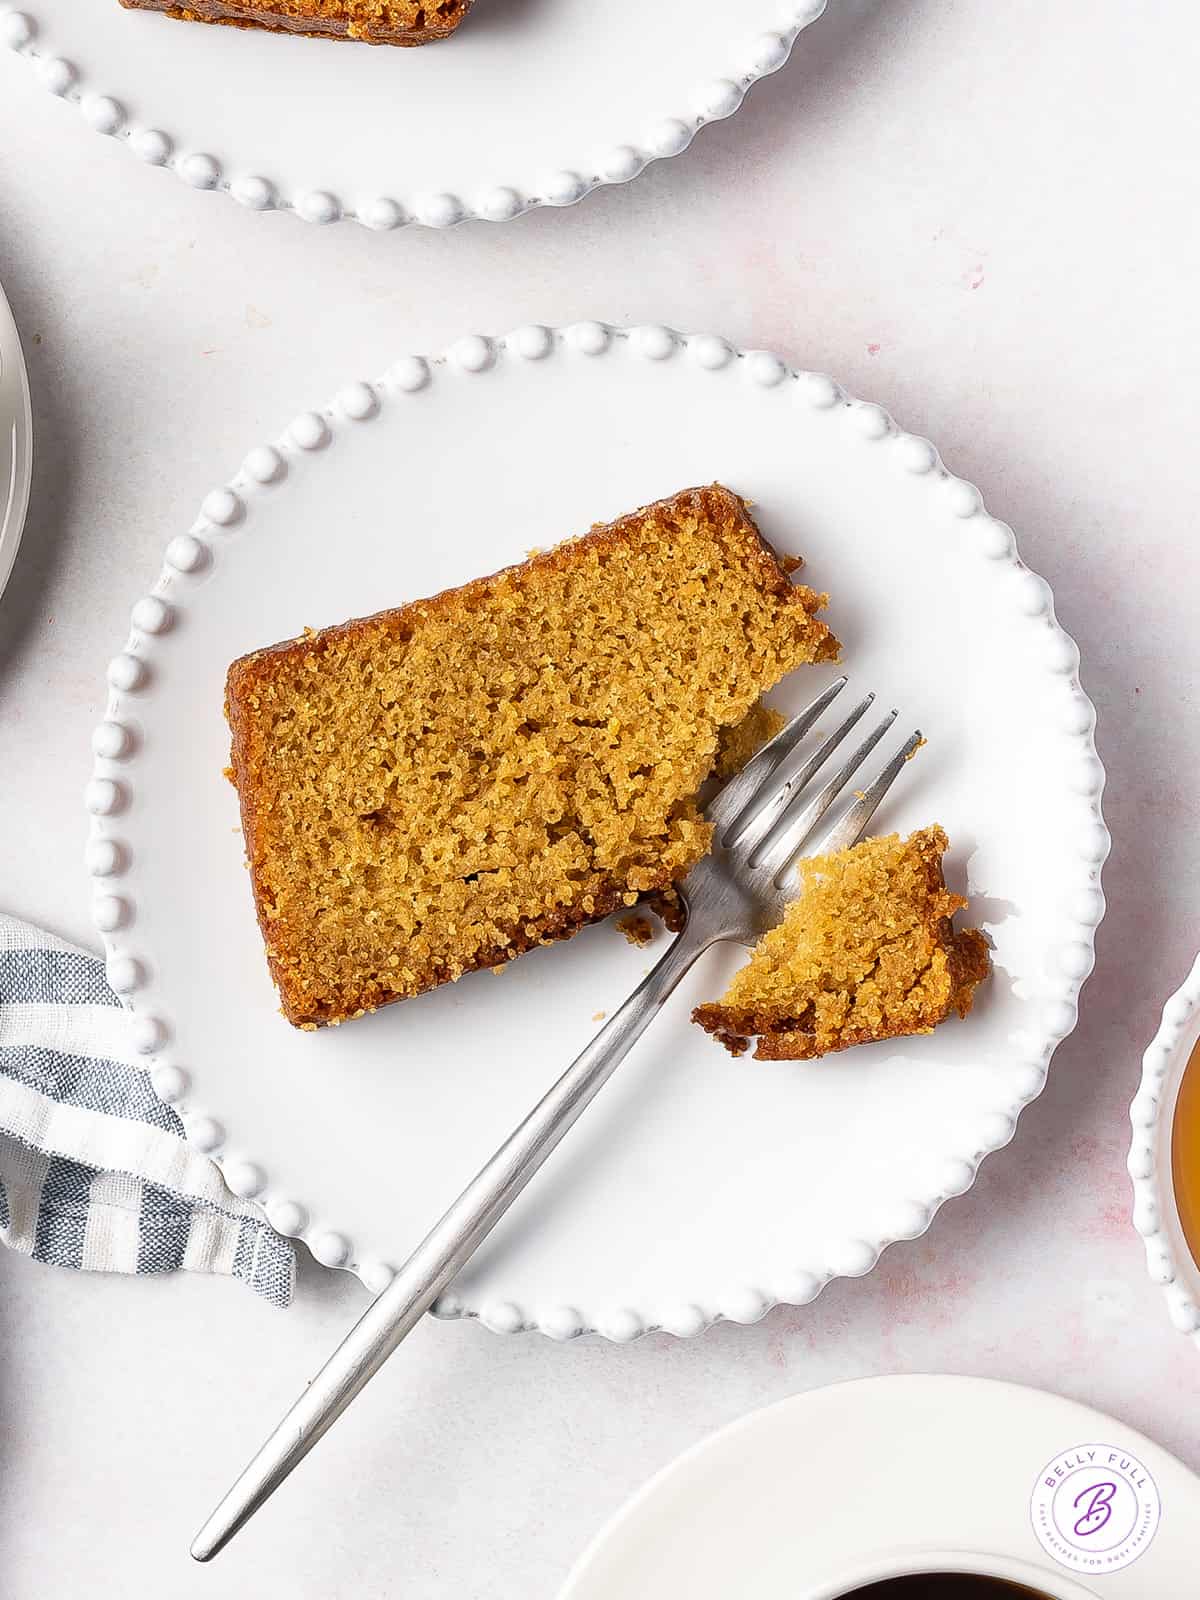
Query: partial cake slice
438,788
403,22
867,952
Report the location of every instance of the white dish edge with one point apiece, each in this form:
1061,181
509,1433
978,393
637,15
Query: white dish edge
13,514
709,102
1154,1212
115,755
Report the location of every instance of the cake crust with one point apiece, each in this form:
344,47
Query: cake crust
396,22
869,952
701,536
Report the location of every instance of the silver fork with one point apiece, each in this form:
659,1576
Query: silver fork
735,892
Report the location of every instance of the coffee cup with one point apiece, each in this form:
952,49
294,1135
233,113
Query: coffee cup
950,1575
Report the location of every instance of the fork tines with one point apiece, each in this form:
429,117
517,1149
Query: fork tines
752,810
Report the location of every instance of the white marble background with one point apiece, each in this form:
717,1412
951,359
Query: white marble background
983,216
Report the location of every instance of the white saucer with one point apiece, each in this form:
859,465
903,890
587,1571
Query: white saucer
697,1186
530,103
16,442
841,1486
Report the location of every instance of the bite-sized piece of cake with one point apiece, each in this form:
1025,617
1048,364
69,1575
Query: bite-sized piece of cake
437,788
867,952
404,22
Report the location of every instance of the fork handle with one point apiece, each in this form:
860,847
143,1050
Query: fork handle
445,1249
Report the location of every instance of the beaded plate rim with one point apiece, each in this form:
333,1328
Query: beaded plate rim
107,114
1153,1194
228,508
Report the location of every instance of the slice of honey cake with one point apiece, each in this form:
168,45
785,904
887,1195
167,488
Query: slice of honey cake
440,787
867,952
402,22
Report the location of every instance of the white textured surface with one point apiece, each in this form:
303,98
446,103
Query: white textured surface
984,218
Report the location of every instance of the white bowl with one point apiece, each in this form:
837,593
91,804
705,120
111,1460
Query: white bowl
1155,1213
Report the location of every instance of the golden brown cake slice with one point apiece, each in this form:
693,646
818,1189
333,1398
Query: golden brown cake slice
403,22
438,788
867,952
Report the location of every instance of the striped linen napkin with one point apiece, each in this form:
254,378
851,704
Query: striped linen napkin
95,1172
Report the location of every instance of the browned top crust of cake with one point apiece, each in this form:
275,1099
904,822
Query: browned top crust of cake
437,788
402,22
868,952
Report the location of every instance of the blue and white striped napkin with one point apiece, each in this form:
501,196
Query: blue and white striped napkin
95,1172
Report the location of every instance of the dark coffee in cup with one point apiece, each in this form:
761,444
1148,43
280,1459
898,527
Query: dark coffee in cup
945,1586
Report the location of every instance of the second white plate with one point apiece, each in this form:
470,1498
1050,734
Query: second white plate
530,103
16,442
697,1186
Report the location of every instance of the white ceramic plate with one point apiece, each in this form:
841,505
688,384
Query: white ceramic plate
532,102
16,442
839,1487
1152,1114
698,1186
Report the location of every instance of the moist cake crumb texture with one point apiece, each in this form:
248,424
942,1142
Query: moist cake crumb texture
745,739
440,787
868,952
